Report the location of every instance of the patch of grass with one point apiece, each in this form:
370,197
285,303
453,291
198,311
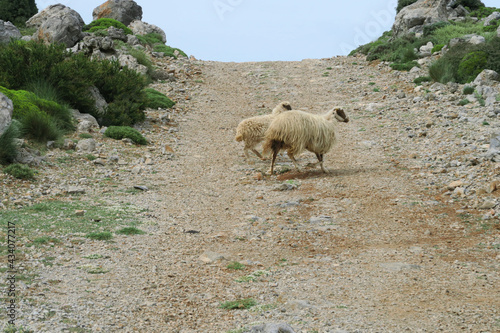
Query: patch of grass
94,256
85,136
104,24
14,329
90,157
376,89
120,132
93,269
46,240
7,141
130,231
104,235
437,48
371,83
251,277
169,51
240,304
235,266
20,171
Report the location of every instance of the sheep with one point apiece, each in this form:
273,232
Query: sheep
251,130
296,131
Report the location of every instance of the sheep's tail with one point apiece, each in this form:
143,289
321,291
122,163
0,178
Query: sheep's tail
239,137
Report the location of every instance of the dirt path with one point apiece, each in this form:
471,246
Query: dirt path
371,247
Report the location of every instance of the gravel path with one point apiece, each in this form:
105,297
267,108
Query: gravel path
381,244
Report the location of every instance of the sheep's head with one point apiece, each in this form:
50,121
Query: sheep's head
341,116
283,106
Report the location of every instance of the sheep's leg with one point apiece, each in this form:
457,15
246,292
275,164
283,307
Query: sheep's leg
247,156
320,161
275,153
294,161
258,154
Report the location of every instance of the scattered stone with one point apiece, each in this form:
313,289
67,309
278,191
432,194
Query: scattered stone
142,188
271,328
75,190
79,212
398,267
8,31
320,219
285,187
455,184
209,257
99,161
487,204
136,170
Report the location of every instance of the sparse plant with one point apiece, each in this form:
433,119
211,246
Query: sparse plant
20,171
240,304
120,132
463,102
105,235
130,231
235,266
421,79
468,90
85,136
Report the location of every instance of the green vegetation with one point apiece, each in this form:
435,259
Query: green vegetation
169,51
7,142
157,100
235,266
104,24
240,304
120,132
421,79
130,231
17,12
404,3
105,235
20,171
464,102
468,90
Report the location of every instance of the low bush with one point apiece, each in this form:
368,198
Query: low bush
8,152
468,90
464,102
157,100
483,12
437,48
40,127
150,39
105,235
20,171
404,66
470,4
471,65
104,24
421,79
429,29
169,51
120,132
404,3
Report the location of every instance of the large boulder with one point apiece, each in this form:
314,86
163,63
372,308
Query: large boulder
57,24
490,20
413,18
142,28
8,31
124,11
6,109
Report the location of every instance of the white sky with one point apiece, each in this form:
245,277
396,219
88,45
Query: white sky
262,30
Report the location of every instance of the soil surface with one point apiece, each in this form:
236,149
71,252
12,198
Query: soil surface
382,243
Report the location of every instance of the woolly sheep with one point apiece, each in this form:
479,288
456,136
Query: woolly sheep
296,131
251,130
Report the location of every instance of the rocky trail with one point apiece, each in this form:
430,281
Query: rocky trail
401,236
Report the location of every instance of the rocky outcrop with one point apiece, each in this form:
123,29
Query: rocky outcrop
124,11
57,24
143,28
8,31
6,109
413,18
490,20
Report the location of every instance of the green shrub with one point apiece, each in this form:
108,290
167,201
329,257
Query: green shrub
20,171
157,100
17,12
404,3
404,66
483,12
445,68
444,34
471,4
437,48
492,48
8,152
239,304
471,65
421,79
130,231
40,127
142,59
429,29
150,39
169,51
104,24
464,102
120,132
468,90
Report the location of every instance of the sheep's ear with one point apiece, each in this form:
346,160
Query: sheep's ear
341,116
287,106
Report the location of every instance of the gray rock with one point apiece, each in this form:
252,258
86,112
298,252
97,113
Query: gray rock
100,102
57,24
133,40
414,17
210,257
84,126
86,145
271,328
498,32
487,77
320,219
132,63
75,190
8,31
489,20
69,144
487,204
116,33
142,28
426,50
25,156
285,187
6,109
471,39
136,170
124,11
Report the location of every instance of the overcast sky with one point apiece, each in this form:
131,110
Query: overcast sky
261,30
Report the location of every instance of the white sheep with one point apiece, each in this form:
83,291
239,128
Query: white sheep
296,131
251,130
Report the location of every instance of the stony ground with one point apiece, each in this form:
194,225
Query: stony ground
401,236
